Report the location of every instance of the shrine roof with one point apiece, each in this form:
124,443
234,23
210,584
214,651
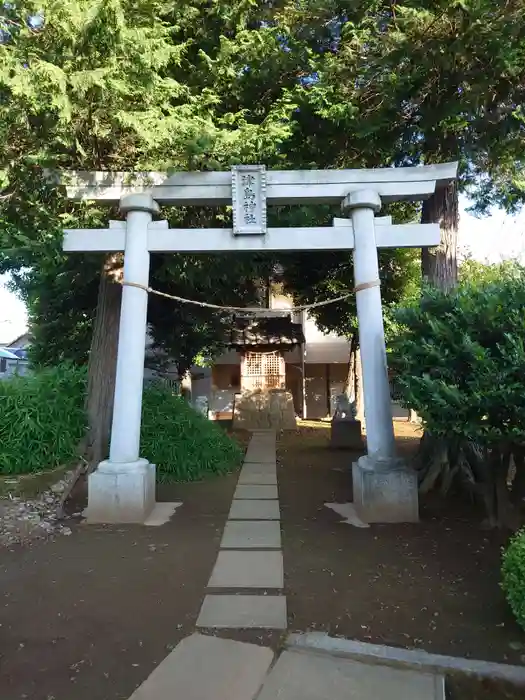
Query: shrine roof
273,332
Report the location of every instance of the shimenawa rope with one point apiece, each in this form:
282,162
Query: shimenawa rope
254,309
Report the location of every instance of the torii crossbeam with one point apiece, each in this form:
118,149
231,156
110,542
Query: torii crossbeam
122,489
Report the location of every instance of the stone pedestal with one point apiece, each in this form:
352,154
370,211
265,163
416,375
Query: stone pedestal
346,434
385,491
121,493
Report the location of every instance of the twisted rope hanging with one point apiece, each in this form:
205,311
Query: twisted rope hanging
254,309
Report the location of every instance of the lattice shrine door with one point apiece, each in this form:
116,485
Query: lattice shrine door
262,371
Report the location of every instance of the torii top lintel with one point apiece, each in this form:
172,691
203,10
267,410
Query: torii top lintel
282,186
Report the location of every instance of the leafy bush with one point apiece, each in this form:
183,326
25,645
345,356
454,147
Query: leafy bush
459,360
42,419
42,422
513,571
183,444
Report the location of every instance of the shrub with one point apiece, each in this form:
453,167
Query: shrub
459,360
513,571
184,445
42,419
42,422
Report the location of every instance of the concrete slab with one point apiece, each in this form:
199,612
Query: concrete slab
243,611
260,454
414,659
250,491
249,534
247,570
257,478
348,512
254,510
161,514
304,676
208,668
259,468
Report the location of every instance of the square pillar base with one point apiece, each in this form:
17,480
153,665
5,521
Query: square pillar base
385,491
121,493
346,433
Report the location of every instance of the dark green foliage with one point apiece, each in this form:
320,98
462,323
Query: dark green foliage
513,571
183,444
42,420
42,423
460,363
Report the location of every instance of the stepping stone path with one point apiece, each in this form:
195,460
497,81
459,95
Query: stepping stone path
212,668
245,590
250,556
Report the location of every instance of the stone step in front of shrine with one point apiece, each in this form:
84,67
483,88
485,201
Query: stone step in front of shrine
245,589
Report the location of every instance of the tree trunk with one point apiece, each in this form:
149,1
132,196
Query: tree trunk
439,265
349,387
439,268
102,366
359,403
518,483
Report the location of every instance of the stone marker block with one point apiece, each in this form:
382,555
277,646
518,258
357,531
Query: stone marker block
243,611
346,434
257,491
254,510
250,534
247,570
385,491
208,668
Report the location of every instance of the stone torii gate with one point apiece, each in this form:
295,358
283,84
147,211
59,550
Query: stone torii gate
122,488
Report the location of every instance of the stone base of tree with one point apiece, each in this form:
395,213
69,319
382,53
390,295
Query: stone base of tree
346,433
385,491
121,493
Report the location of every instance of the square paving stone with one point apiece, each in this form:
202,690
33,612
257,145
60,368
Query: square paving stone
258,468
248,534
254,510
301,676
260,455
247,570
202,667
257,478
242,611
251,491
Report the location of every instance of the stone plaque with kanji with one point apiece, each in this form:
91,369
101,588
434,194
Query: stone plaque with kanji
249,199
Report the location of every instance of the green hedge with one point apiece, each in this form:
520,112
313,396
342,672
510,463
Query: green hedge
513,571
42,419
183,444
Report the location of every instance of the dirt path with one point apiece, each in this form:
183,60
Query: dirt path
89,616
434,585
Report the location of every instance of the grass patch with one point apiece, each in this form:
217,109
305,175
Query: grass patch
182,443
42,420
30,485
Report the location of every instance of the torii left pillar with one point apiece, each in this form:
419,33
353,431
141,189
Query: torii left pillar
122,488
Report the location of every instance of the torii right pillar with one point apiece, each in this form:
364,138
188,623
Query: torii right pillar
385,489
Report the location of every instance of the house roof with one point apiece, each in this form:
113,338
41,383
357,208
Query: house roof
275,332
7,354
